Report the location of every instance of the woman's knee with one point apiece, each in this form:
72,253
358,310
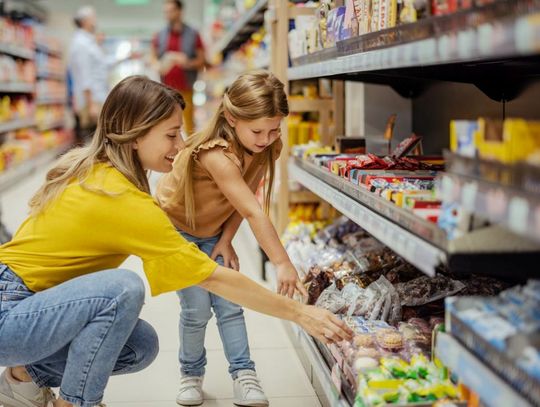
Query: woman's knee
131,287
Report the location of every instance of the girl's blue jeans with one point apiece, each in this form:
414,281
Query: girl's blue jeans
196,310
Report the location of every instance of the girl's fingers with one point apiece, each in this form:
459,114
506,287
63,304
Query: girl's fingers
301,289
290,291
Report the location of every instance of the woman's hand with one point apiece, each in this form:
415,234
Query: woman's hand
323,325
288,281
225,249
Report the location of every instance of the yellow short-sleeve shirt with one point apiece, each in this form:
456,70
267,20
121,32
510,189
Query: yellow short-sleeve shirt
94,227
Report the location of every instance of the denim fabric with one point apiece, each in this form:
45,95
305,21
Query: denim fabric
76,334
196,310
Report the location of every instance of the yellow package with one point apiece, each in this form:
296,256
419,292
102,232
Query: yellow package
304,130
518,139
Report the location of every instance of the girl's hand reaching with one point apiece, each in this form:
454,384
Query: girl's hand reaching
288,281
225,249
323,325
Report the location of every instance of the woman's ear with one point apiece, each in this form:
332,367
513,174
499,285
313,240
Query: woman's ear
230,119
135,145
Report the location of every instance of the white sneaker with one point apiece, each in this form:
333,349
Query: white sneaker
14,393
248,390
190,393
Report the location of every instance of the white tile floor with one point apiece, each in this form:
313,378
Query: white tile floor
281,373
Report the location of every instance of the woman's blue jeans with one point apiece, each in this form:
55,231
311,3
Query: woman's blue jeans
77,334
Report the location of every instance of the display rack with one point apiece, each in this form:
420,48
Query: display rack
15,51
455,47
16,88
15,174
494,47
359,206
493,390
17,124
242,29
506,194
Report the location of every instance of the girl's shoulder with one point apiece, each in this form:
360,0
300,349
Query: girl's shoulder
218,144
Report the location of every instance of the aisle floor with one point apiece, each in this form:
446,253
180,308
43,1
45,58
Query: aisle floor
278,366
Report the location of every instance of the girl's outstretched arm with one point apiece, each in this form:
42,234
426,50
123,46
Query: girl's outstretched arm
230,181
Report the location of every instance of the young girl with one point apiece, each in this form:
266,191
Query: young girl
69,317
208,193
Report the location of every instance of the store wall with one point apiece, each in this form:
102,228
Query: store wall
368,107
444,101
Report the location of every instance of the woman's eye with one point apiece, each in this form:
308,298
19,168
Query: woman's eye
256,131
172,135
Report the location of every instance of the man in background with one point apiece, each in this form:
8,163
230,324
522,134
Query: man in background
88,73
178,53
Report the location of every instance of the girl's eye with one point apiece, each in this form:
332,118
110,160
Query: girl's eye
172,135
256,131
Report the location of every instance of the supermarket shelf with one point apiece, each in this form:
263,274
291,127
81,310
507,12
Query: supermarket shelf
492,389
46,50
16,124
16,88
51,75
395,227
296,197
16,51
505,194
310,105
462,42
51,101
15,174
517,210
242,29
52,125
316,367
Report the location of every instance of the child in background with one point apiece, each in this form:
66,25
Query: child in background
208,193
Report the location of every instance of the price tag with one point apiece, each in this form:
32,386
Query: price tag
428,50
443,46
336,378
518,214
466,42
468,196
485,39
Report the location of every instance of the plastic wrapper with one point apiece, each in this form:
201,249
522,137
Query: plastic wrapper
331,300
426,289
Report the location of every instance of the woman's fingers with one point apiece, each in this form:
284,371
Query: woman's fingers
301,289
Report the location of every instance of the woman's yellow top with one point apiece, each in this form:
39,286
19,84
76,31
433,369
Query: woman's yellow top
96,226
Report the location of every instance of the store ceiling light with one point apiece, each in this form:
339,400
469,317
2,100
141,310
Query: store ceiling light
131,2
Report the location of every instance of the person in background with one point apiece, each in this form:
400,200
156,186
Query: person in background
88,72
178,55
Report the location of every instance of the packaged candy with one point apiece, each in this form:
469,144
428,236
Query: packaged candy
426,289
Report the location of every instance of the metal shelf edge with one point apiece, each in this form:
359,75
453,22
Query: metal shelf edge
493,390
238,26
16,125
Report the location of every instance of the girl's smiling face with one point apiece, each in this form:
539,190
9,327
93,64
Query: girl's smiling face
156,150
256,135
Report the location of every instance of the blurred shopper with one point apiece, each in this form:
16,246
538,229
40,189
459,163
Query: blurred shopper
89,73
178,53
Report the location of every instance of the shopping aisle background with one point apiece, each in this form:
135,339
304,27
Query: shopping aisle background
279,369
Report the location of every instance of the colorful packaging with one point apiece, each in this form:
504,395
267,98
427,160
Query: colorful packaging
464,137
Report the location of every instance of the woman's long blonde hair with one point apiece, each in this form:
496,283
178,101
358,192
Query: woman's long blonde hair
253,95
132,108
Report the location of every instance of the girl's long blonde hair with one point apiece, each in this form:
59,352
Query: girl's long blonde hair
253,95
132,108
